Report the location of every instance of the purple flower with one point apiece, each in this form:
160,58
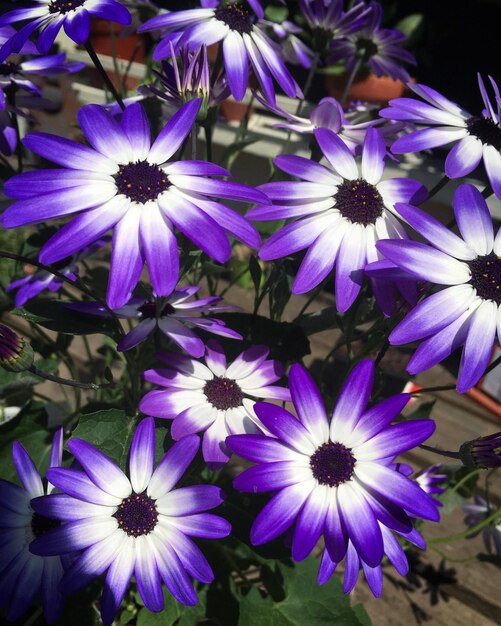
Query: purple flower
139,526
476,514
341,215
328,21
429,479
174,316
243,42
293,50
334,479
48,16
474,137
215,398
466,312
328,113
482,452
124,181
8,135
38,280
23,576
379,48
192,82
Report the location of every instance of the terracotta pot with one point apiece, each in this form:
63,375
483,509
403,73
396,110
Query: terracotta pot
369,88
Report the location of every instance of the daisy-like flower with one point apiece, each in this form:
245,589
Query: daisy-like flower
124,181
380,49
293,50
178,86
430,478
174,316
23,575
38,280
328,113
466,312
329,21
137,526
49,16
334,479
340,215
475,137
491,534
244,44
215,398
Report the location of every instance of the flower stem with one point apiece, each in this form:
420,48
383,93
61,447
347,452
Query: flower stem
99,67
11,98
208,141
447,453
470,531
349,83
67,381
440,185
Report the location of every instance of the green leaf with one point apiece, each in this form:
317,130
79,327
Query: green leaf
15,381
276,14
111,431
30,428
305,602
319,321
55,315
167,617
256,272
411,26
233,150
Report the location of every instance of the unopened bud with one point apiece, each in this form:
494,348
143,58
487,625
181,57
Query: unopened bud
16,354
484,452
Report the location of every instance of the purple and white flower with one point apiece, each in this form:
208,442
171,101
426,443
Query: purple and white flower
49,16
491,533
467,311
138,525
214,398
341,214
378,48
174,316
243,42
334,478
23,575
430,478
293,49
124,182
475,137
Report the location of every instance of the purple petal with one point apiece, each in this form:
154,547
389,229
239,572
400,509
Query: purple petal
373,156
236,64
136,126
336,539
173,465
405,190
218,188
147,575
396,440
232,222
378,417
77,26
142,455
352,567
374,578
310,522
73,536
214,449
63,507
394,552
337,153
474,219
308,402
104,133
189,554
203,525
271,476
136,335
260,448
189,500
464,157
427,138
117,581
352,258
326,569
285,426
181,335
26,470
293,237
174,132
78,485
304,168
492,163
173,573
29,184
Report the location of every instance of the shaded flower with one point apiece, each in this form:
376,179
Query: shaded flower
429,478
23,575
38,280
174,316
192,82
482,452
215,398
328,21
243,42
49,16
334,479
466,312
475,137
139,526
341,213
125,182
475,514
292,49
378,48
16,353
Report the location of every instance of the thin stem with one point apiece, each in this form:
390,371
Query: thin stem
194,134
11,98
349,83
116,69
381,353
464,480
208,141
493,365
308,82
66,381
470,531
312,297
440,185
104,75
447,453
487,192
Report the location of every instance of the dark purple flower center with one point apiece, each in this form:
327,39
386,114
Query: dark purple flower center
137,515
223,393
8,68
359,201
486,277
332,464
141,181
149,310
366,49
486,130
40,524
64,6
235,17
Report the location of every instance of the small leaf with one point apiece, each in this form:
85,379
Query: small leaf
256,272
166,617
411,26
276,14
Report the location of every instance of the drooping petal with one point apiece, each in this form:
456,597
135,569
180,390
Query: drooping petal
474,219
236,64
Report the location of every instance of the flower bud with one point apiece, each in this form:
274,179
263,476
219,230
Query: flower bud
16,354
484,452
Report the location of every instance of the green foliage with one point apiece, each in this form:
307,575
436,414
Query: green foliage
303,601
11,382
460,487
